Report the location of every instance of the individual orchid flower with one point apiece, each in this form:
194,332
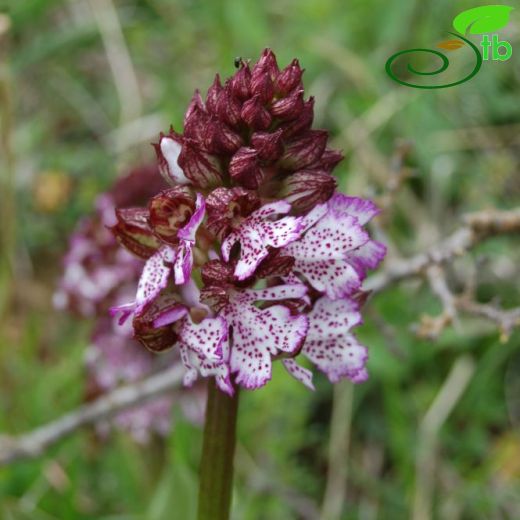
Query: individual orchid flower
330,345
251,255
335,251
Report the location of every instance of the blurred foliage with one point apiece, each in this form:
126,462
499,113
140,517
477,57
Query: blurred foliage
67,140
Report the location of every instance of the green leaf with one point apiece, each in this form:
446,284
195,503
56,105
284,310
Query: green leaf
485,19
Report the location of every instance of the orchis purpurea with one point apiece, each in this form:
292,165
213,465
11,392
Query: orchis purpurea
251,255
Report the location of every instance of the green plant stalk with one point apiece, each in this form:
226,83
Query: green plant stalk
218,449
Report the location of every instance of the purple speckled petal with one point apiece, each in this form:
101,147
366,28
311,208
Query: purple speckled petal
330,345
256,233
204,349
258,334
279,292
301,374
362,209
206,337
368,256
324,255
154,277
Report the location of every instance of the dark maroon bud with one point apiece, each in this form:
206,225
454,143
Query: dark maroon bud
262,85
213,95
289,78
220,139
196,102
275,264
268,145
307,188
217,272
149,327
196,125
244,168
169,211
133,232
288,107
267,64
328,160
202,168
241,82
229,107
167,150
305,150
227,207
255,114
302,123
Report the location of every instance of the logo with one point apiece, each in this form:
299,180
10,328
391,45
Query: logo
479,20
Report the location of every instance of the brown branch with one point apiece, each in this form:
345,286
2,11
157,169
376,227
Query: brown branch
33,443
505,319
476,227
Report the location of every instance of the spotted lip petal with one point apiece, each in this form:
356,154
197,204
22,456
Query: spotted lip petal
301,374
203,349
256,233
335,251
330,344
154,277
259,334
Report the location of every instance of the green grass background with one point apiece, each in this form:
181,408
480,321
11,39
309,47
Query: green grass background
65,138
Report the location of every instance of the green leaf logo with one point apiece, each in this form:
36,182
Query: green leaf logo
485,19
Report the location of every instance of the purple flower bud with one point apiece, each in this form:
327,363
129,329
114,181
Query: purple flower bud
220,139
307,188
255,114
169,211
328,161
244,168
305,150
262,85
267,64
289,78
156,339
268,145
213,95
302,123
229,107
202,168
289,107
196,103
196,125
133,232
241,82
227,207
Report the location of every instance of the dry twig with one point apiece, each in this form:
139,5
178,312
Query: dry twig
33,443
476,227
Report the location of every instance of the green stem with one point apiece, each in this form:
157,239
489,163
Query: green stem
216,468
